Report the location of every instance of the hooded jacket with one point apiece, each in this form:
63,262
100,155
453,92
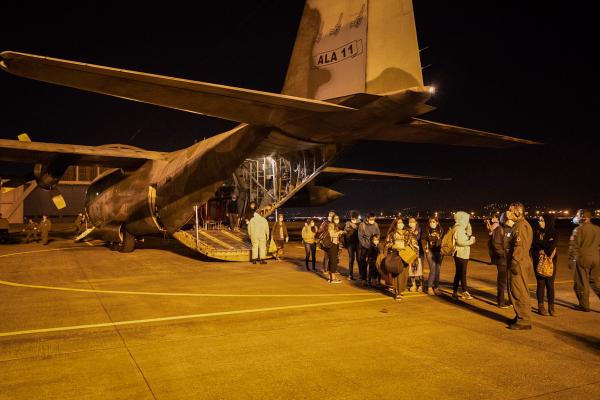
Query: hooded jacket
463,235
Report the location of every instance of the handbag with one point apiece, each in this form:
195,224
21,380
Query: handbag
408,255
545,266
272,247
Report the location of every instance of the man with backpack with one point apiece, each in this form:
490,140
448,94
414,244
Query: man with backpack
457,243
351,242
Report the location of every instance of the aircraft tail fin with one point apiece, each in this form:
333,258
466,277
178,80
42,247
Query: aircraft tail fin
344,47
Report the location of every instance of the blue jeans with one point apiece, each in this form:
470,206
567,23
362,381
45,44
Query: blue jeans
434,259
352,255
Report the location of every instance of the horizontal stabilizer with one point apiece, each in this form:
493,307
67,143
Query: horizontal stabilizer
351,171
114,156
236,104
422,131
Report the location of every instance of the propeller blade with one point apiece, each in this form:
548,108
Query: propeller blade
58,199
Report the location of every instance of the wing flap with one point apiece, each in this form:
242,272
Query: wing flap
422,131
236,104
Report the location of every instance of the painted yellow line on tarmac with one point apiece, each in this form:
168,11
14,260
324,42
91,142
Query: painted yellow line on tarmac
39,251
183,317
175,294
68,289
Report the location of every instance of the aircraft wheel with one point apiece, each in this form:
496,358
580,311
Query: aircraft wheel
128,244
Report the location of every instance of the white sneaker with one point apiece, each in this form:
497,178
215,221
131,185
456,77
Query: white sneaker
466,295
413,288
430,292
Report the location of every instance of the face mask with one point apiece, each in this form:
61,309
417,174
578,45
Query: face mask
329,219
412,224
312,224
336,221
280,219
433,225
576,220
400,226
542,224
510,223
371,221
375,242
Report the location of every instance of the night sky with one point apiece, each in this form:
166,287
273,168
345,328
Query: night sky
508,67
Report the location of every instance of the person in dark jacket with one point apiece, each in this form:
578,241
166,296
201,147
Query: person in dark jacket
373,277
231,211
584,256
351,241
500,240
279,234
545,240
432,245
366,230
322,230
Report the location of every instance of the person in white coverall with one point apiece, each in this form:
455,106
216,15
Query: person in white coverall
258,230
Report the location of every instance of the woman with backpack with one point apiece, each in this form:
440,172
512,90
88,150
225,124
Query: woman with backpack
432,243
308,239
545,239
462,234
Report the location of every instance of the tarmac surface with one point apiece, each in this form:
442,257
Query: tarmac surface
79,321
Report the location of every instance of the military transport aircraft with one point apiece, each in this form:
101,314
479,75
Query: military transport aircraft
354,74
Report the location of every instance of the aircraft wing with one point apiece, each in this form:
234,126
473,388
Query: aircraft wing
369,174
105,156
422,131
236,104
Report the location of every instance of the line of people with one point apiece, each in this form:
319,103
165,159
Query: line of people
515,248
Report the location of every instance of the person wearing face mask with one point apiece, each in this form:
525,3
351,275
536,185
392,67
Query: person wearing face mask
415,271
584,257
279,234
545,240
432,244
397,239
519,266
249,212
332,238
500,239
308,239
366,230
351,241
322,230
463,239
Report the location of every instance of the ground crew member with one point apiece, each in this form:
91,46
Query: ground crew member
519,265
45,227
4,228
79,224
32,231
233,213
584,257
258,230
